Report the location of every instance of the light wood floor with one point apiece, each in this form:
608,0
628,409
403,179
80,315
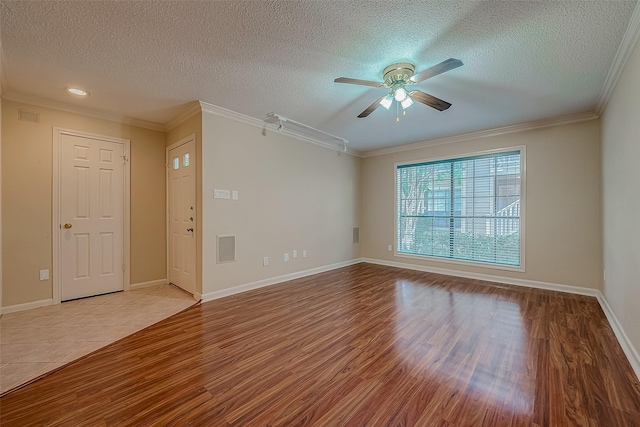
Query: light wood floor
360,346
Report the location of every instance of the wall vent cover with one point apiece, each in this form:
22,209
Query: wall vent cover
226,248
28,116
356,234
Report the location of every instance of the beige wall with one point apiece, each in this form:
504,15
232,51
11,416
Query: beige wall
148,206
1,93
0,182
292,195
27,199
193,126
562,203
621,199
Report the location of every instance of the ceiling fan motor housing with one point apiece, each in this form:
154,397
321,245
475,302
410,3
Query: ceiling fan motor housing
398,74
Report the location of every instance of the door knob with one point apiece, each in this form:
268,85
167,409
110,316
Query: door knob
189,229
67,225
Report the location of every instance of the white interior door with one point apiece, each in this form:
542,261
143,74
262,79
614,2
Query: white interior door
182,212
91,216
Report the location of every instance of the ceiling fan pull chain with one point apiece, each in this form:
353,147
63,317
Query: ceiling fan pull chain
397,113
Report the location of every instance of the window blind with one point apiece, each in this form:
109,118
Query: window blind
463,208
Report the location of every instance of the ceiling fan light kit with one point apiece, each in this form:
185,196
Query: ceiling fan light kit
400,94
406,102
387,101
397,77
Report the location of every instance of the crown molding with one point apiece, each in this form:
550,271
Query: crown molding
204,107
557,121
252,121
629,41
96,114
194,108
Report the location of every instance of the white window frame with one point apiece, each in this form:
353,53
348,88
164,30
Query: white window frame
523,210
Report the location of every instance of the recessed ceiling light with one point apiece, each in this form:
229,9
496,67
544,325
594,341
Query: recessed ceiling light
77,91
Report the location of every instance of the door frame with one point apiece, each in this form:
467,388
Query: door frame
167,165
55,223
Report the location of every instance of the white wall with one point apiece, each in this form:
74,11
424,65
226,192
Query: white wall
292,195
621,199
562,203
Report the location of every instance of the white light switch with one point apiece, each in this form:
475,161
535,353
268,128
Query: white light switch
265,261
234,195
304,254
221,194
295,253
286,257
44,274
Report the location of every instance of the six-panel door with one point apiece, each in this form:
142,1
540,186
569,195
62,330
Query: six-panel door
91,216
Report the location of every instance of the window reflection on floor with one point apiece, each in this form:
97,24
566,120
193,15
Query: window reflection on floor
480,345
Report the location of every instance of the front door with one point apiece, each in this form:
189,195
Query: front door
182,212
91,216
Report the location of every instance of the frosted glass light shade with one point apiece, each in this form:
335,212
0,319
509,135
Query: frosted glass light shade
400,94
386,101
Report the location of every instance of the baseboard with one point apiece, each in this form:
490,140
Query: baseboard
26,306
148,284
210,296
628,348
490,278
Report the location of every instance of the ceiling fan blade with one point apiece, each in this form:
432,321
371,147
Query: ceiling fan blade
371,108
440,68
429,100
358,82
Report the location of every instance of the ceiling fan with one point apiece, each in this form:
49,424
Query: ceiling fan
397,77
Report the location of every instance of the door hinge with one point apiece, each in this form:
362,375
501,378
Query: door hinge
123,267
125,159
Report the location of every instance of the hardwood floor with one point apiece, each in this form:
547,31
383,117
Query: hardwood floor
361,346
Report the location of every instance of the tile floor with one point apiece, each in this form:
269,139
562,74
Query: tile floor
36,341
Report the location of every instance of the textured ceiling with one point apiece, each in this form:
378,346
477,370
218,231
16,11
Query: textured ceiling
524,60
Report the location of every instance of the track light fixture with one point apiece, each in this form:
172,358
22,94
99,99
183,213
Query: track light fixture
308,131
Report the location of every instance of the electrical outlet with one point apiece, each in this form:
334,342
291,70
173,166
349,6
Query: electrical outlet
295,253
286,257
44,274
389,248
221,194
265,261
304,253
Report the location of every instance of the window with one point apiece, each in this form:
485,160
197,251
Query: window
185,160
176,163
464,209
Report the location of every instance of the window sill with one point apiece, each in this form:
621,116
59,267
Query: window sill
479,264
